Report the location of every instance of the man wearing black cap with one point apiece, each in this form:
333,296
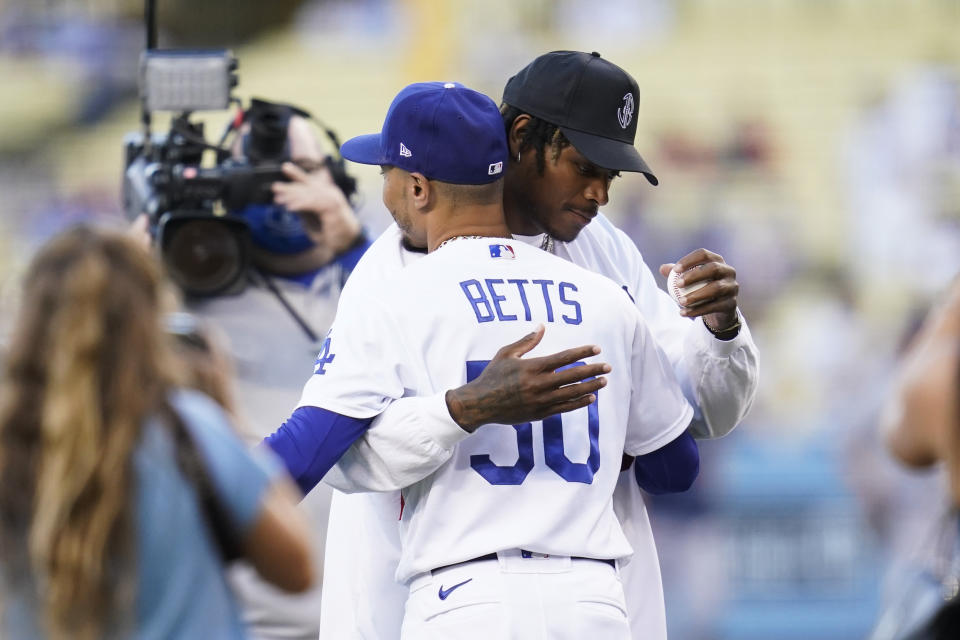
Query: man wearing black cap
570,119
584,108
539,534
581,109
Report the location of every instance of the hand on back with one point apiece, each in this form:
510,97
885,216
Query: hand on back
514,390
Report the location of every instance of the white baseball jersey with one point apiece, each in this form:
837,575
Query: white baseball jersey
363,600
545,487
361,597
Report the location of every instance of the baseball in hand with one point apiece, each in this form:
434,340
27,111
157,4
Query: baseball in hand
676,291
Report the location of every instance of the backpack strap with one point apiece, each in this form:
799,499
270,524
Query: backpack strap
194,469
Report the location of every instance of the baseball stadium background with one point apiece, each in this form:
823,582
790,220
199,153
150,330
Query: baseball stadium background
815,144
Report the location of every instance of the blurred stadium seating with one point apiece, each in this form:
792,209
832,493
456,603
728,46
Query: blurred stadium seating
815,144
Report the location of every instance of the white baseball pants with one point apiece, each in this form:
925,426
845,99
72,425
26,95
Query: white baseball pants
517,598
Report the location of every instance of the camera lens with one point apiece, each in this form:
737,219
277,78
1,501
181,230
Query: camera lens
204,256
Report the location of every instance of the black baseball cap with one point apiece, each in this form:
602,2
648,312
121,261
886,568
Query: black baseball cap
592,100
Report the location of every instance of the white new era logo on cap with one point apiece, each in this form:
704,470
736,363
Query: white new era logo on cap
404,151
495,168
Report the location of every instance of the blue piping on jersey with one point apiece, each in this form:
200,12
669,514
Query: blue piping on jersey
670,469
312,440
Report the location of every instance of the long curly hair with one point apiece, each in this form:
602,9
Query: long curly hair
87,363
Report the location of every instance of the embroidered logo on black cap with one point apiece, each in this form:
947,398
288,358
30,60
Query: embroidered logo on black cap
625,113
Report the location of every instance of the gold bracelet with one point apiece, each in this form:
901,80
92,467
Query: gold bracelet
729,333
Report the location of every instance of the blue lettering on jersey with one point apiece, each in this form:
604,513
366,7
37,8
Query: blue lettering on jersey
487,302
477,298
546,297
509,474
324,357
627,291
577,319
497,299
554,454
523,297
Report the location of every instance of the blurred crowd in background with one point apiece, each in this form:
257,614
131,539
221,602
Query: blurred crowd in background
815,145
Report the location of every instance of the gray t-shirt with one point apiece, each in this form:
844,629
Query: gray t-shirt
274,357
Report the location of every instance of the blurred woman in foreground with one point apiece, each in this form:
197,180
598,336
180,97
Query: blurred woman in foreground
120,494
922,423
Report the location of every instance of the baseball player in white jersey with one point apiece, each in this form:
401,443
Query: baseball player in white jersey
540,540
415,435
718,374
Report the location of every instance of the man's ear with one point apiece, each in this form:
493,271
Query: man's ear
517,130
421,191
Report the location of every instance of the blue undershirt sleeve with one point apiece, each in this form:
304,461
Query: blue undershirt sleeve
670,469
349,258
312,440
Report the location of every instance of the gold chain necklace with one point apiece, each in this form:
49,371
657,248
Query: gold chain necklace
460,238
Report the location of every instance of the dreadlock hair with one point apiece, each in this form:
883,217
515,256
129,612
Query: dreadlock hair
538,135
87,363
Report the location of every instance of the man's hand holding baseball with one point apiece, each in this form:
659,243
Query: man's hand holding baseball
716,301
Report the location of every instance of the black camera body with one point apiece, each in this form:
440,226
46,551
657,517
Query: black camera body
207,251
169,175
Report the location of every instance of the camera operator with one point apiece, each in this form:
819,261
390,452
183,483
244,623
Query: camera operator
303,246
319,213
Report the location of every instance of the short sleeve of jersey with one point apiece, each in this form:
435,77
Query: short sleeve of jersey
239,475
659,413
358,370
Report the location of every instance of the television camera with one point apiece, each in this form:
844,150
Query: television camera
191,189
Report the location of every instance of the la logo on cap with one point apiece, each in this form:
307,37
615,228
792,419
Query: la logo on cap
404,151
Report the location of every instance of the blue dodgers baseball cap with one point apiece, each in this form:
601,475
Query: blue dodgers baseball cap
443,130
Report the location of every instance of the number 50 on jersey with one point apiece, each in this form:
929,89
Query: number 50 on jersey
553,452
